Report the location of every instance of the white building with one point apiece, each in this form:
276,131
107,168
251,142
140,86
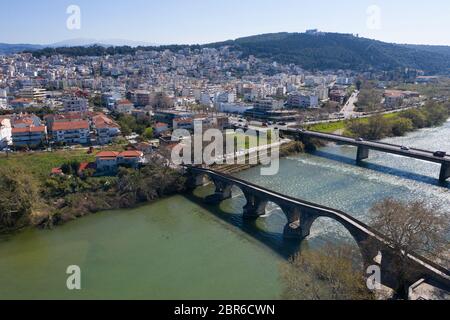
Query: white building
38,94
233,108
225,97
71,132
303,100
124,106
5,133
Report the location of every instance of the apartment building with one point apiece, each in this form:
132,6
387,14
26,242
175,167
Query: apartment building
35,94
71,132
75,104
303,100
29,136
140,98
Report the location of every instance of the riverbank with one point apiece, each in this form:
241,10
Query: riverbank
395,124
28,198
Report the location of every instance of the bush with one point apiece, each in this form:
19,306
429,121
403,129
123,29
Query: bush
401,126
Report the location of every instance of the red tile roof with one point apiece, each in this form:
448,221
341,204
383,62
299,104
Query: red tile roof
107,154
57,171
114,154
70,125
161,125
131,154
29,129
125,101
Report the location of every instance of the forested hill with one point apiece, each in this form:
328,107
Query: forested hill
342,51
321,51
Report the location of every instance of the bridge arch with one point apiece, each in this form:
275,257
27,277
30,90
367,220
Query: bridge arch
368,248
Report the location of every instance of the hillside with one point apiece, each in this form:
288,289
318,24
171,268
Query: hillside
342,51
311,51
16,48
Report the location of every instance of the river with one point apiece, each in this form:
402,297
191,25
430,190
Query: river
178,248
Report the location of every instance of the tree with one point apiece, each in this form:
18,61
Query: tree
417,117
359,84
401,126
375,128
411,228
18,197
327,274
148,133
161,101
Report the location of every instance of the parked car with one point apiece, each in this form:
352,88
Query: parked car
440,154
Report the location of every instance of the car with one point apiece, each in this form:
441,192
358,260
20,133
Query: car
282,123
360,139
440,154
405,148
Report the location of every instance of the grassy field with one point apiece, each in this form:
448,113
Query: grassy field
39,164
340,125
328,127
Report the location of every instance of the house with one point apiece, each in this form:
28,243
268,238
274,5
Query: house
21,103
124,106
339,96
145,147
109,161
131,159
161,127
393,99
105,129
71,132
183,123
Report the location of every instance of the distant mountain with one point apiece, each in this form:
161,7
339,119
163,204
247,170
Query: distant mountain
84,42
323,51
6,48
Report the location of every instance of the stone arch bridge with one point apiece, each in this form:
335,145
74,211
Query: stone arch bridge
302,214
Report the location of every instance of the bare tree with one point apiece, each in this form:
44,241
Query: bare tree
411,228
327,274
161,101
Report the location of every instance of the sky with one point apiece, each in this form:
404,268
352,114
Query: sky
204,21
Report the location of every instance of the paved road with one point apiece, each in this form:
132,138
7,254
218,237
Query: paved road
349,109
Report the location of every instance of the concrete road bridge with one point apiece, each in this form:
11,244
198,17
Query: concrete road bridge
365,146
